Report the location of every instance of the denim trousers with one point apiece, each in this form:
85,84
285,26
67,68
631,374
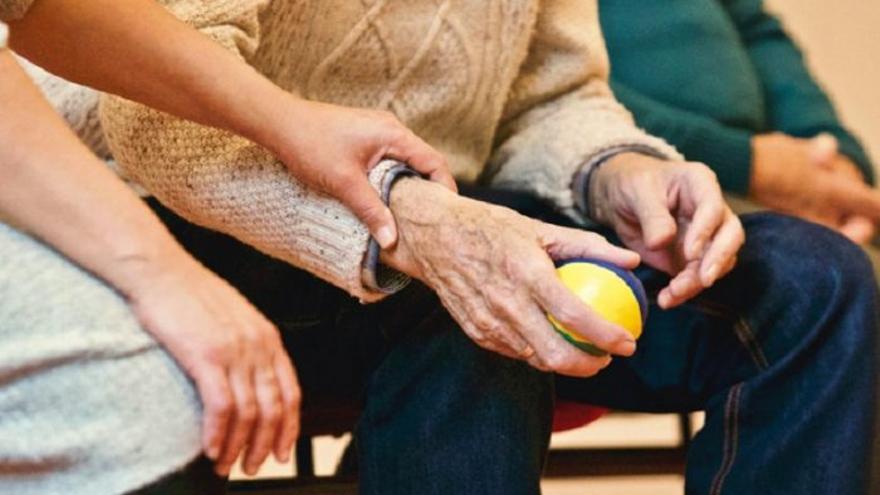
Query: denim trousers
781,354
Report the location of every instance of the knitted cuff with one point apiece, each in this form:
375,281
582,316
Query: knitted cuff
4,35
376,276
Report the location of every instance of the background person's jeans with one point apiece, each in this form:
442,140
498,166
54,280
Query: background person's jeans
781,354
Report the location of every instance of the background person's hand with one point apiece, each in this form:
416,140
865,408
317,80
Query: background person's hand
234,355
810,179
825,154
673,215
331,148
492,269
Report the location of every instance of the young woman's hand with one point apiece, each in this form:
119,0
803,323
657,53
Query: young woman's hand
234,355
332,148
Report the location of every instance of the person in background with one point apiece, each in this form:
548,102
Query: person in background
104,318
723,82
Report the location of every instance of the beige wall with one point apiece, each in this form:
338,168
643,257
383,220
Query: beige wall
842,42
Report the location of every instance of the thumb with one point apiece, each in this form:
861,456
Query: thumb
365,203
823,149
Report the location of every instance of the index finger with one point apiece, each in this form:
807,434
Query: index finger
724,247
855,198
707,218
564,243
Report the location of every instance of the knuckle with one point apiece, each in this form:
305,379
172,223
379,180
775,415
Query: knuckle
273,412
222,406
247,412
222,349
481,340
556,359
483,322
292,401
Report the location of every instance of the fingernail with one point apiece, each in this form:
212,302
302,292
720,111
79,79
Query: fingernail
213,452
711,274
663,300
626,348
385,237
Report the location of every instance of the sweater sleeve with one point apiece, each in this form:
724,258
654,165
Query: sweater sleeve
796,103
226,183
11,10
561,114
726,150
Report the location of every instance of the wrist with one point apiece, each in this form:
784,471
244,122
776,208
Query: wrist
152,262
267,118
599,206
407,201
763,177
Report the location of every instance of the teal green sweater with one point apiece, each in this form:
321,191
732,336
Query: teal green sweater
707,75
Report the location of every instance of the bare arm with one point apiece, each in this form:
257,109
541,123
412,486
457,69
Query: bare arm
52,187
55,189
137,50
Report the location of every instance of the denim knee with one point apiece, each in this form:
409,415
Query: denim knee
806,255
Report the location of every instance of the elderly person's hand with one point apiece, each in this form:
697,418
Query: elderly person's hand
810,179
244,376
493,270
673,215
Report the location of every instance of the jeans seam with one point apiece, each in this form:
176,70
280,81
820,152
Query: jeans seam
746,336
741,328
731,427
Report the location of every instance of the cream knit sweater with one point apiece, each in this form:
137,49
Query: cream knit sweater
513,92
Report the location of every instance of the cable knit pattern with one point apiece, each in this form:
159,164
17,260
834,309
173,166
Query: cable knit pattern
520,85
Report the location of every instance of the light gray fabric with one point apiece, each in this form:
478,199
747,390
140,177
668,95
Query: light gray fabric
89,402
4,35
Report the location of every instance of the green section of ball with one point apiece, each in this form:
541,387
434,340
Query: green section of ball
584,346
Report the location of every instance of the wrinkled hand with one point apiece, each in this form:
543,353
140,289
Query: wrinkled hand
233,354
810,179
331,148
492,269
673,215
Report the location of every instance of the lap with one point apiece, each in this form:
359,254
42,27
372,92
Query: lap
87,398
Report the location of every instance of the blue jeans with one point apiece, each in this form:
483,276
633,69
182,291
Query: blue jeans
780,354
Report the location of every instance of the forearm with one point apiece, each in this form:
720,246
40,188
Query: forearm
55,189
141,52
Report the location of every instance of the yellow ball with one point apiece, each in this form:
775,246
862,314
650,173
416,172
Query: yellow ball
612,292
